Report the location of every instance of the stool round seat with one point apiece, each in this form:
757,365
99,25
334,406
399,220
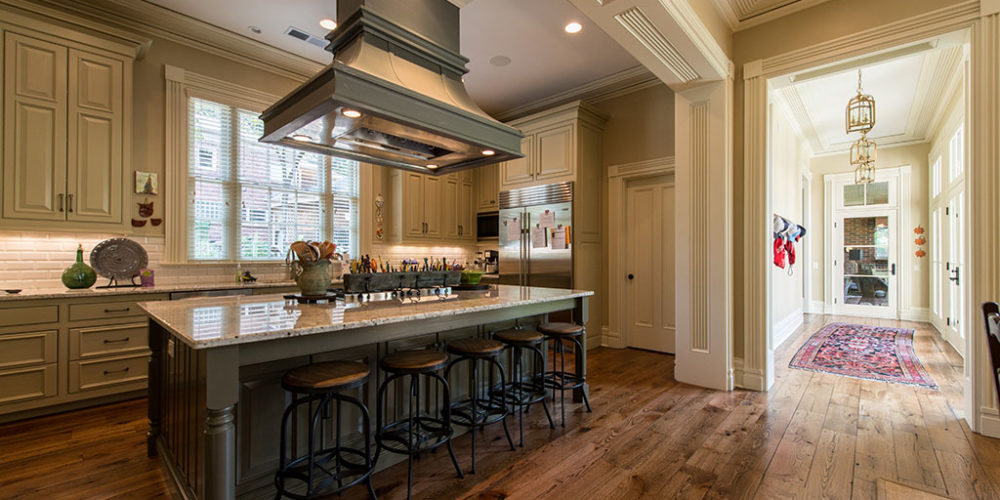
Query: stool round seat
519,337
475,347
560,329
425,361
325,377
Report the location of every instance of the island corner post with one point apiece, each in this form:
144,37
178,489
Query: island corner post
194,391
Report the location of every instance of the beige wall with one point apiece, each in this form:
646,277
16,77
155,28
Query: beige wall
640,127
888,157
813,26
715,22
789,159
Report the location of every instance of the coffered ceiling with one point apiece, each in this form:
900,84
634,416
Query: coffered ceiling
909,90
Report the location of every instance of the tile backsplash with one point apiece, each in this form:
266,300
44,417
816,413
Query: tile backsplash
37,259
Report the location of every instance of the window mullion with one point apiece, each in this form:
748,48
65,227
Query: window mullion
235,227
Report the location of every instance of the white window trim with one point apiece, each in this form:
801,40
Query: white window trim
181,85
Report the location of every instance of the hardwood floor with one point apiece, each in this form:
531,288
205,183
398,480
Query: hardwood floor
813,435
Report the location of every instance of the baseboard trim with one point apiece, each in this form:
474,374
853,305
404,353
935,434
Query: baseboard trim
989,422
783,329
922,314
747,379
816,307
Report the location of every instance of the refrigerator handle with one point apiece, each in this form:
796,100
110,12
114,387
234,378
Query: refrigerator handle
526,238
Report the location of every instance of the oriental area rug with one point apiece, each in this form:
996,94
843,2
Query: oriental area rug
865,352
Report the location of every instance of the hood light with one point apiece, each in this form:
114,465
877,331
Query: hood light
489,152
302,138
432,167
328,24
351,113
573,27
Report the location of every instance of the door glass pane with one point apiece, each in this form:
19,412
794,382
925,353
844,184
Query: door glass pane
854,195
866,261
878,193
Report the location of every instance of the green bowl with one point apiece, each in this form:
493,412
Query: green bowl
471,277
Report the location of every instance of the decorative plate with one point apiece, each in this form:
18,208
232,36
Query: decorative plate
118,258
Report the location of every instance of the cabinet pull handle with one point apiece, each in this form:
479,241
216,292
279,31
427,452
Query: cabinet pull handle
106,341
60,198
113,372
125,310
69,203
460,230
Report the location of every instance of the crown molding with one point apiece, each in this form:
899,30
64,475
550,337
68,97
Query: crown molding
26,9
612,86
142,17
653,166
738,21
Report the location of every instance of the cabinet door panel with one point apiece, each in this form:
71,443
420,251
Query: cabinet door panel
450,214
555,153
521,170
94,146
467,212
34,156
487,182
413,211
432,206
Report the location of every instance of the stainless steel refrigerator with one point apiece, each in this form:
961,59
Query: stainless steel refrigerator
522,261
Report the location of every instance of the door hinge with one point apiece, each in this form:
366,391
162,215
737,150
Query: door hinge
947,210
947,266
947,321
835,225
834,300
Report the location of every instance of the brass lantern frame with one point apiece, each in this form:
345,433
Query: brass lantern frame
860,112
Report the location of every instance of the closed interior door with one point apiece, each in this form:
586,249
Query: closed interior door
866,264
955,270
649,287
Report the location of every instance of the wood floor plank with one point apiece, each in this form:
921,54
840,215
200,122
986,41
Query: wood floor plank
832,471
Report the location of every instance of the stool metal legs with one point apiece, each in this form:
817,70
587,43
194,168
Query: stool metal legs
561,379
523,394
416,433
305,469
477,413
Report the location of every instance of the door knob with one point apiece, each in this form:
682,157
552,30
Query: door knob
631,276
955,277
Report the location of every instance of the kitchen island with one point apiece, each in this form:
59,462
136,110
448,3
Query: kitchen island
215,398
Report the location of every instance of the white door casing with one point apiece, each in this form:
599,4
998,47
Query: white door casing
703,200
649,284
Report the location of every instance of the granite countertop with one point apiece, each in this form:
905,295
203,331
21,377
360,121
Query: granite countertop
62,292
206,322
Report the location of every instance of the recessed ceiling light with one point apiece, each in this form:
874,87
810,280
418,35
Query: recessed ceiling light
432,166
499,61
328,24
573,27
254,29
302,138
489,152
351,113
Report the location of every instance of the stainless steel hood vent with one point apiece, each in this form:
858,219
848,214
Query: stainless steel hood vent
393,95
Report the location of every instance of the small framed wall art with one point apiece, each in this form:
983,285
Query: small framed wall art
146,183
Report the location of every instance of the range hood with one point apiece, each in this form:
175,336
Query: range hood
393,95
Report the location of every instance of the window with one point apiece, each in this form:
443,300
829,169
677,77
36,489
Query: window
936,177
857,195
249,201
956,155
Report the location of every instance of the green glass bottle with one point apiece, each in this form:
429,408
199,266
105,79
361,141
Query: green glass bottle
79,275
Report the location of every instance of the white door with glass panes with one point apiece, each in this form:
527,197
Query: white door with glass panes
863,255
947,242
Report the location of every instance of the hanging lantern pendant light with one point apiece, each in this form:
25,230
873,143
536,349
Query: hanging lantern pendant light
861,118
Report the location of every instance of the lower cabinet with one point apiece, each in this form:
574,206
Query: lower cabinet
27,384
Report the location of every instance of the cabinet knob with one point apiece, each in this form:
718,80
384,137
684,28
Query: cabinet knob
631,276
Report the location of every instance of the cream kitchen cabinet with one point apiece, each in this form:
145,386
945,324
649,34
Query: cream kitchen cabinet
487,188
432,209
65,131
551,146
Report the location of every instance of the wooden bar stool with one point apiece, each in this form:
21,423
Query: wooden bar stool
523,391
481,408
419,431
327,470
562,380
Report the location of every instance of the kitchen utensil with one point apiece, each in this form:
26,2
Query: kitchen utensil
118,259
79,275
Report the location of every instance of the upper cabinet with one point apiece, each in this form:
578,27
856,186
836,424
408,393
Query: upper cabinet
551,146
64,129
432,209
487,188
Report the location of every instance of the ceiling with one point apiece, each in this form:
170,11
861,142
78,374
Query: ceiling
544,60
908,90
743,14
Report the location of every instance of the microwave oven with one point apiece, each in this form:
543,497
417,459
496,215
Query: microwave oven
488,226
